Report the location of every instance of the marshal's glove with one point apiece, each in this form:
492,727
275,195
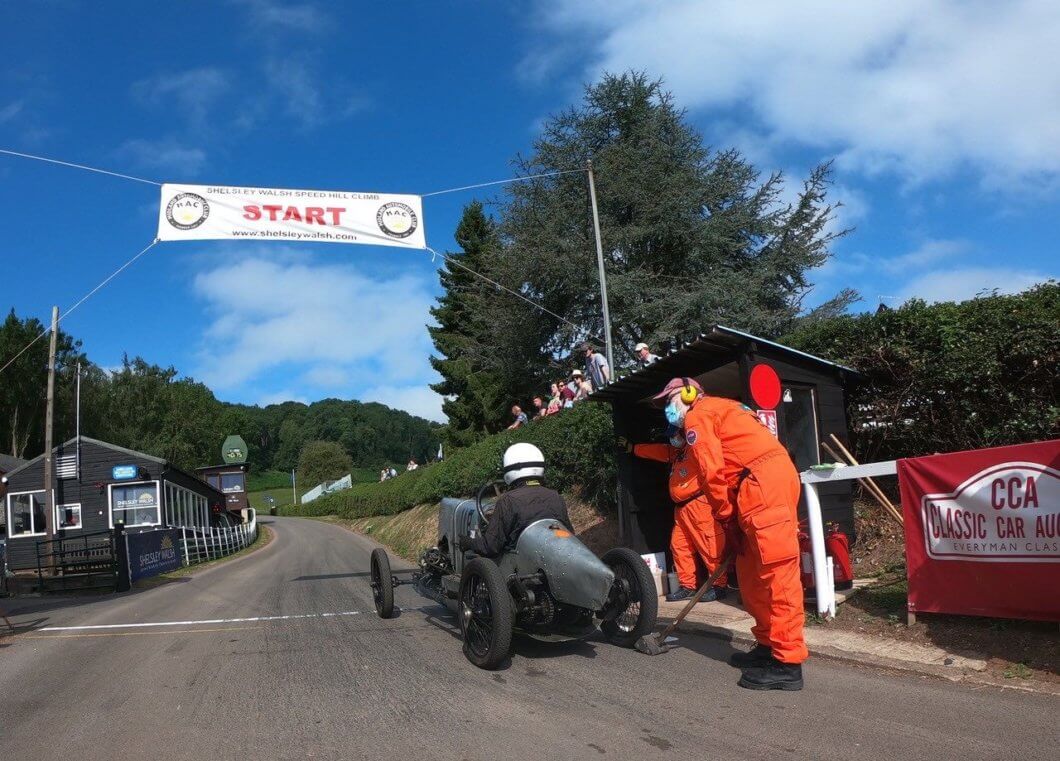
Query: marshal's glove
624,444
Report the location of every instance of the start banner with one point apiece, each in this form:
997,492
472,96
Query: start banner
216,212
982,531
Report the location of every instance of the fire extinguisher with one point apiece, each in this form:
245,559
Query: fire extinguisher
805,558
837,545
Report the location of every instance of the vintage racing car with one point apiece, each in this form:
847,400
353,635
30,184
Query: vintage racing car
549,586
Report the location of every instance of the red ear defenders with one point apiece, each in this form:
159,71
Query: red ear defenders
688,392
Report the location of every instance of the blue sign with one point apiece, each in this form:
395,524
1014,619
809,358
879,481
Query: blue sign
153,552
124,472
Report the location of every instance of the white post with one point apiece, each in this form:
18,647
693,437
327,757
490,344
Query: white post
184,541
825,589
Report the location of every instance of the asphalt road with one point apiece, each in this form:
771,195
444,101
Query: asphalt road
353,686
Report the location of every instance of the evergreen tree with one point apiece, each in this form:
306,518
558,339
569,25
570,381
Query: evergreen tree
691,237
476,398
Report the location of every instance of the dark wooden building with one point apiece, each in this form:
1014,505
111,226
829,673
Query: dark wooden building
230,480
808,405
105,485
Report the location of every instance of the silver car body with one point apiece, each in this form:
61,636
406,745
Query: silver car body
576,576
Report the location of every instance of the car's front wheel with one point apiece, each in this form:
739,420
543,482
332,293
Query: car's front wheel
638,616
382,583
485,614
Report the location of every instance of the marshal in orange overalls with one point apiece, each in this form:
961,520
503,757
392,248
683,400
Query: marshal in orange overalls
695,530
747,475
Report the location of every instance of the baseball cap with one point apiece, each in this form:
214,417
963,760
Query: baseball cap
577,372
675,385
640,346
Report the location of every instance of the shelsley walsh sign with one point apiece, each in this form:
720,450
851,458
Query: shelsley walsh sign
983,531
215,212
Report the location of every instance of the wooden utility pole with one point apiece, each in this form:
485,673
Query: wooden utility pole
603,275
49,454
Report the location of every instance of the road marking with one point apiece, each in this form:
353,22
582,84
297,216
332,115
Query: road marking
201,622
136,634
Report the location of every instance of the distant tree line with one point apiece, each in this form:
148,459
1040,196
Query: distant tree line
154,410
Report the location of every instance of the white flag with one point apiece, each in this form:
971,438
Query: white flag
215,212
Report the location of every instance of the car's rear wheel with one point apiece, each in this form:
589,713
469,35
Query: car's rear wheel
382,583
485,613
642,605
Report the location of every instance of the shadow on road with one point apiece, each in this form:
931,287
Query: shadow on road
357,575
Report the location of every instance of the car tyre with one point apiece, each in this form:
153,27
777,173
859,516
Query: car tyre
382,583
639,616
485,613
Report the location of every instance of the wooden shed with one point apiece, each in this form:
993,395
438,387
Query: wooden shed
97,485
808,406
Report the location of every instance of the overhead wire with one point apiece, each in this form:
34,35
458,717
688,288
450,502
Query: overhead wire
82,300
503,182
78,166
505,288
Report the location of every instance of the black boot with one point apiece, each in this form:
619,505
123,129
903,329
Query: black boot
773,676
759,655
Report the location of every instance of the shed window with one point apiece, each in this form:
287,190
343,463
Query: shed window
68,516
25,514
800,418
231,482
135,504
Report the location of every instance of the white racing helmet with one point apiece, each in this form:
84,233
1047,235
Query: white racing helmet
522,461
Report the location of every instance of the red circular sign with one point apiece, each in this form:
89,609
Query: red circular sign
765,387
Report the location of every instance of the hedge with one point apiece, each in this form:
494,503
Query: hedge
578,445
949,376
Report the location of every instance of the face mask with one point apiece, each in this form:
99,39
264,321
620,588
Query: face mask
674,416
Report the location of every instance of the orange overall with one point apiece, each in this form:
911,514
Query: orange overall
695,530
748,476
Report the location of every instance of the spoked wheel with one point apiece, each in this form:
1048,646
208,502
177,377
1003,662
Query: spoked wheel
485,614
382,583
638,617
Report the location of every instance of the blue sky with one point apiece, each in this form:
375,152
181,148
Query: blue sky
943,121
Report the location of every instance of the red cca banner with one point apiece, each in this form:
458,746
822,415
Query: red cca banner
982,531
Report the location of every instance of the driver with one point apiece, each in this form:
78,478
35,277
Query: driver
525,502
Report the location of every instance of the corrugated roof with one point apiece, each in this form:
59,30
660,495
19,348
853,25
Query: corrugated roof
707,352
67,443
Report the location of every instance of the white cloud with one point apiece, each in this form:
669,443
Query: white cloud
416,400
963,284
279,397
10,111
324,324
303,17
189,93
326,376
920,88
928,253
165,154
295,88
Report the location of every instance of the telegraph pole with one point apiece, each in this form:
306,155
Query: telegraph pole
603,275
49,454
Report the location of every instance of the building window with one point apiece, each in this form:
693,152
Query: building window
231,482
214,480
25,514
134,504
68,516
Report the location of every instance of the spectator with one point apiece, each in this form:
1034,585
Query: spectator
539,405
582,387
555,400
567,392
596,368
644,355
392,473
520,417
383,474
412,464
